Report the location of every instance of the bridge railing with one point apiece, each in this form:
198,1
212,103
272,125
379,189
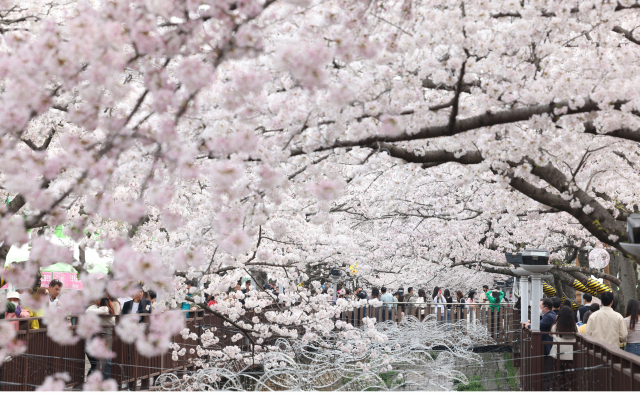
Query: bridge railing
44,357
504,325
593,365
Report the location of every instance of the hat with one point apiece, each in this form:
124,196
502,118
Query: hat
12,295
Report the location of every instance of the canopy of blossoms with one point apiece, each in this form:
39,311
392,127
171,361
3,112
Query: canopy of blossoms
221,139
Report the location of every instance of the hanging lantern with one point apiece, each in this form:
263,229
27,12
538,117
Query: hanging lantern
598,258
580,287
548,289
597,287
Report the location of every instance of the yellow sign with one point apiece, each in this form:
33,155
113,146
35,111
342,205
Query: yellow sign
354,268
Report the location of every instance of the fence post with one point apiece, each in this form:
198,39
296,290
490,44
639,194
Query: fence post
25,361
537,361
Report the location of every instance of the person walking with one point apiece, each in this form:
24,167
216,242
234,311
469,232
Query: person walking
115,303
401,307
410,299
439,300
484,309
494,298
586,305
41,294
375,294
607,324
102,307
422,301
565,322
19,311
55,286
449,305
461,304
631,321
546,322
471,308
583,328
569,304
387,302
557,303
137,305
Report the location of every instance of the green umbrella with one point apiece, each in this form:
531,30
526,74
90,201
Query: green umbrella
94,263
59,268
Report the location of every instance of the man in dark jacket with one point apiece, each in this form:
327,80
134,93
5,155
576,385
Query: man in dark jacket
586,298
137,305
546,322
557,303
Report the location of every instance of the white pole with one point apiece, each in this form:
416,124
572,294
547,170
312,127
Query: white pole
524,299
536,295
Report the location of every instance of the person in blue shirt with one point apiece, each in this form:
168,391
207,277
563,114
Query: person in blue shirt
386,298
186,305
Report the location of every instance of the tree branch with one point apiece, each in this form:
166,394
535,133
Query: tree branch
470,123
44,145
430,158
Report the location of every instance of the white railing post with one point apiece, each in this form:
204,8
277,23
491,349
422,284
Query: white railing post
524,299
536,295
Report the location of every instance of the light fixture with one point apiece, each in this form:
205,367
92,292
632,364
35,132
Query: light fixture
633,230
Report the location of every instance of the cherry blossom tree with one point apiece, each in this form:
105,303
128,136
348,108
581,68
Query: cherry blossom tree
218,139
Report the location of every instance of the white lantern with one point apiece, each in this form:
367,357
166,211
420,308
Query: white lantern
598,258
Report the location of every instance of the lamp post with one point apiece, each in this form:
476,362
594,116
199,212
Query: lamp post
536,262
524,293
335,276
516,260
633,230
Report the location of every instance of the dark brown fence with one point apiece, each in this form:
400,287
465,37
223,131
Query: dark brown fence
44,357
594,365
137,371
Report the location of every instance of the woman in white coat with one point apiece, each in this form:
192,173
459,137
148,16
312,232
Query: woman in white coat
439,300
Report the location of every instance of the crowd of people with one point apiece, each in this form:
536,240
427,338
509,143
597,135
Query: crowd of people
560,319
140,302
449,305
600,321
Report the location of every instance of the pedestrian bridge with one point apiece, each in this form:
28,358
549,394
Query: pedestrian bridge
595,366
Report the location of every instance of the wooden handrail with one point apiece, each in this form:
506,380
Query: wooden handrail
597,365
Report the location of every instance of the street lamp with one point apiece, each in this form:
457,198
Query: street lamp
524,292
335,275
516,260
535,261
633,230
